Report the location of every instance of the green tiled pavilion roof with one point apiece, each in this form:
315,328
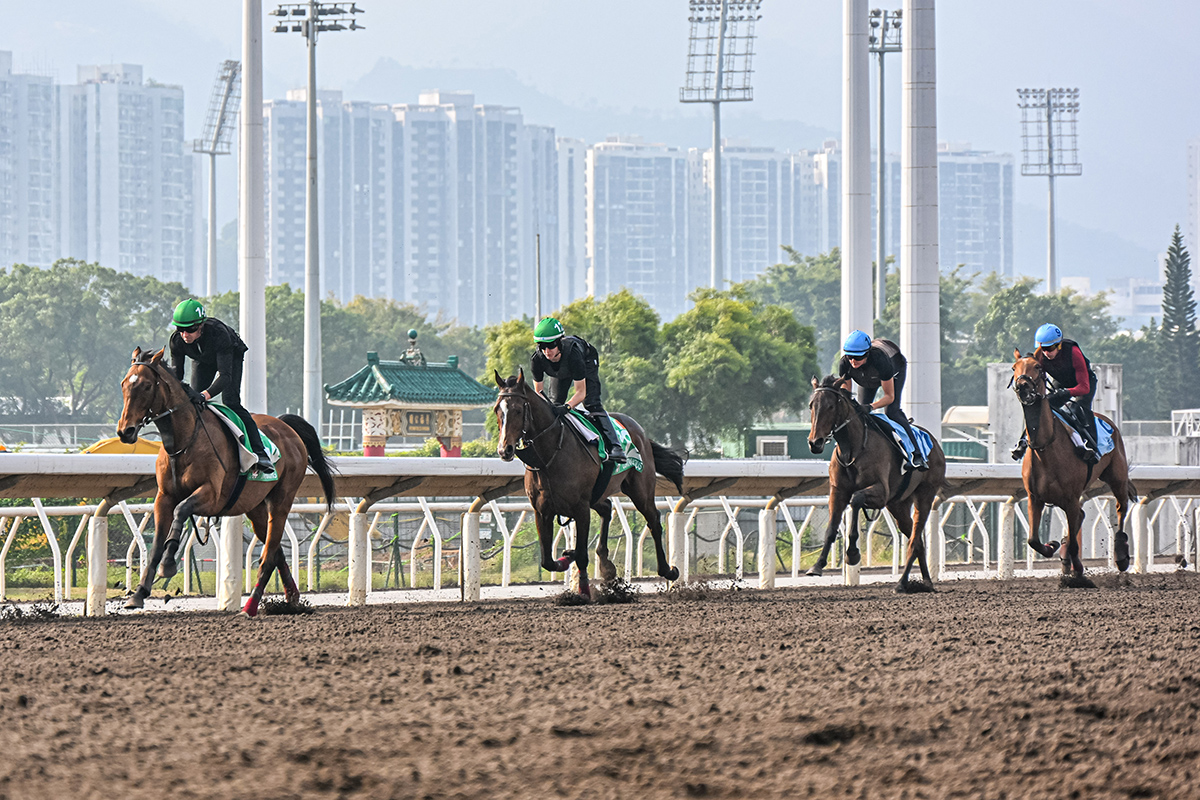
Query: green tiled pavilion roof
395,384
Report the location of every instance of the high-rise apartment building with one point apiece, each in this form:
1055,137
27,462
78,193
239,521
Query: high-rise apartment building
27,126
975,209
1192,229
637,222
125,183
574,279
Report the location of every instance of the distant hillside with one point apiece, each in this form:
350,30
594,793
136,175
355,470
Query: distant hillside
391,82
1100,255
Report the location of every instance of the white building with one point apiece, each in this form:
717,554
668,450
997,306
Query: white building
27,128
574,279
637,222
125,182
975,209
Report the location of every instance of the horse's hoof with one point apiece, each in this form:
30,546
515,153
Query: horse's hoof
1047,550
1075,582
608,572
913,587
672,574
251,608
853,557
134,601
814,572
1121,551
564,563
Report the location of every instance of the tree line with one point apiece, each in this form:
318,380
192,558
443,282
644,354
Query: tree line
735,358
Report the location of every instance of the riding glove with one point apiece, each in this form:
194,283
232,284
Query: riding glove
561,410
1058,397
193,395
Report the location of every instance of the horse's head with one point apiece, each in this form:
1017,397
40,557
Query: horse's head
514,413
830,409
1029,379
144,392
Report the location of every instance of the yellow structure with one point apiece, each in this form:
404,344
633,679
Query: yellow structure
115,446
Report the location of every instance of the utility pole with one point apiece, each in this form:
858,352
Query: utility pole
215,141
1049,147
314,18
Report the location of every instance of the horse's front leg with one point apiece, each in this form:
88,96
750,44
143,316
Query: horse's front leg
1071,562
545,531
604,566
837,504
169,519
582,529
1036,506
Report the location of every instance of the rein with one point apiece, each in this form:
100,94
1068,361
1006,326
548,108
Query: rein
837,428
527,442
1032,413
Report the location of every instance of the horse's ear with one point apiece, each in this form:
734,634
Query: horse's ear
137,354
520,375
158,357
816,384
499,380
1016,354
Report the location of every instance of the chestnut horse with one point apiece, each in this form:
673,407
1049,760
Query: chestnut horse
198,467
1053,474
561,473
866,472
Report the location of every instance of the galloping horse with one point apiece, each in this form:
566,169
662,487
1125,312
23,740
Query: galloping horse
1055,475
865,472
198,467
561,472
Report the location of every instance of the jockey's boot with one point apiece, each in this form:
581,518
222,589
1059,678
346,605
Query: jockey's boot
1018,452
1090,451
615,453
919,462
264,465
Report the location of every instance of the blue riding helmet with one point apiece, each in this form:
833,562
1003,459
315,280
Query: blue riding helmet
857,344
1047,335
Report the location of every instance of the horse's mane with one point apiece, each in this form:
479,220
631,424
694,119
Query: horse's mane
518,382
831,382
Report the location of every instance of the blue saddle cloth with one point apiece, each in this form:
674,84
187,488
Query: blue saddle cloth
1104,432
924,440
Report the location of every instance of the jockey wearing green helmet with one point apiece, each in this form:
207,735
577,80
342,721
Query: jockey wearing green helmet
217,354
569,361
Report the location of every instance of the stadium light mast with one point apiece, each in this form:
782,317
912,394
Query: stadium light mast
1049,147
884,38
720,51
310,19
215,141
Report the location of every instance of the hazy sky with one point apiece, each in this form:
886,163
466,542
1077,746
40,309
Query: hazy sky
1134,63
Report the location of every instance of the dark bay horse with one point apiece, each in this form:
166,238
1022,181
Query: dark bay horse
198,466
1053,474
865,472
561,472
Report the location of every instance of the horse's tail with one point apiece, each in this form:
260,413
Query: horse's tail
669,463
316,456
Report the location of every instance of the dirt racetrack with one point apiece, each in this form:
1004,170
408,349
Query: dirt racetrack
982,690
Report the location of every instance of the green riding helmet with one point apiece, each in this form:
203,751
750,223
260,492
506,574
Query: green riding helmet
189,313
548,330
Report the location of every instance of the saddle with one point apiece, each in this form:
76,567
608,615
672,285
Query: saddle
246,456
894,435
583,427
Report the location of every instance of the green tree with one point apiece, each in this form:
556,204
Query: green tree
731,361
1015,312
1141,371
811,288
1179,342
68,332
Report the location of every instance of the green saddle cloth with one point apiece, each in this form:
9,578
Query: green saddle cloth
633,458
247,458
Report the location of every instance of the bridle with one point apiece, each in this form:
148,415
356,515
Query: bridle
527,442
1018,381
149,418
841,397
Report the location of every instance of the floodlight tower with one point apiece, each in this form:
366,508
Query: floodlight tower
885,38
310,19
1049,147
720,50
215,141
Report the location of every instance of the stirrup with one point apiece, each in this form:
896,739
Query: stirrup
264,464
1018,452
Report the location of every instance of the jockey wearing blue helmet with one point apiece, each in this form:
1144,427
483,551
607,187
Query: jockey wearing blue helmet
1074,385
875,365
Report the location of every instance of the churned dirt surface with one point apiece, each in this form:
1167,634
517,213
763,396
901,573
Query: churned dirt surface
982,690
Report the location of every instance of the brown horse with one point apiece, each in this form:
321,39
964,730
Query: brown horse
865,472
198,468
1055,475
561,473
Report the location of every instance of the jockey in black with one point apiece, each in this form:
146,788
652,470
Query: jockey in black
570,361
875,365
1074,386
217,353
